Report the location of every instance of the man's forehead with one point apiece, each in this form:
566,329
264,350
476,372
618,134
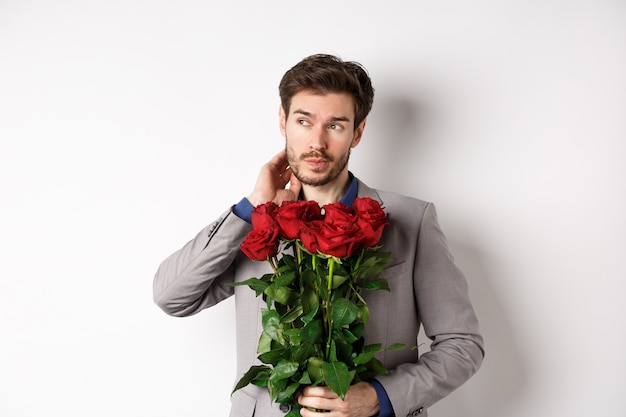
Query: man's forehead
338,106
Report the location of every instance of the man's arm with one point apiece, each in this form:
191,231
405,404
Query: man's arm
194,277
449,320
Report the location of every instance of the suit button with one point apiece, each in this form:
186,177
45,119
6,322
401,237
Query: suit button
285,408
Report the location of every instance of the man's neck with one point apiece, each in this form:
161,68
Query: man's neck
329,193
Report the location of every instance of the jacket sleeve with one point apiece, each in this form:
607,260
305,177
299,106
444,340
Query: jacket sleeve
445,310
194,277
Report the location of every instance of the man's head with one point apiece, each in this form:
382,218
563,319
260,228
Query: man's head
325,74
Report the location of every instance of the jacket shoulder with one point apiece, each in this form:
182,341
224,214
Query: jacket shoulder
392,201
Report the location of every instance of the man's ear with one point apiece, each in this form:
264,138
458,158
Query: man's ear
358,133
282,120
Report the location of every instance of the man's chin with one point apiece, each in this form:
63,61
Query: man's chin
315,179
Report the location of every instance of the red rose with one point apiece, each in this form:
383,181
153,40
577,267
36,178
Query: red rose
262,216
340,240
336,235
339,215
371,220
308,236
292,216
261,244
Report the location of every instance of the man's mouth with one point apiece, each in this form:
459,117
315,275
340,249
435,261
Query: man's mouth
316,163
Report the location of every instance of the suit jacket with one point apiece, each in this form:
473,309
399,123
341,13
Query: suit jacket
426,289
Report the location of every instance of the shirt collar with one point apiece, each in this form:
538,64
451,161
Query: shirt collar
350,195
352,192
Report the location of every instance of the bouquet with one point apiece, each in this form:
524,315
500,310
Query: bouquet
315,314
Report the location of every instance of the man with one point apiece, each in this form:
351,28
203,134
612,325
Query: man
324,105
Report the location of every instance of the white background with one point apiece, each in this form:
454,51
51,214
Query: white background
128,125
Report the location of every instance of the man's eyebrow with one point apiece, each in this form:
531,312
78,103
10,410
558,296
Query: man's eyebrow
302,112
334,118
340,119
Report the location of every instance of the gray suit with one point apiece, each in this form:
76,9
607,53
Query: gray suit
426,288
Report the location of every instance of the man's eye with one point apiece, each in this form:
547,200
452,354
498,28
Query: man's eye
335,127
303,122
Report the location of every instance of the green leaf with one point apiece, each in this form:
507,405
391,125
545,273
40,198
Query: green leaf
292,315
310,300
256,284
373,348
305,379
344,350
379,284
313,332
377,367
282,309
272,357
314,367
271,324
286,395
357,329
337,376
289,261
276,386
344,312
283,370
265,343
338,293
262,379
308,278
396,346
306,319
364,314
363,358
285,278
250,375
303,353
349,336
332,355
293,336
338,280
280,294
373,264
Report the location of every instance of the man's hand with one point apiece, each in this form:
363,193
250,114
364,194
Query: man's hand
272,180
361,401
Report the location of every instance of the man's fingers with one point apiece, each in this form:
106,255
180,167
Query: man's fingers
272,182
279,166
319,398
279,161
285,175
294,185
323,392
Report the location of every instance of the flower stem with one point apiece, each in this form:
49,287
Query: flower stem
355,274
331,272
272,262
329,318
299,257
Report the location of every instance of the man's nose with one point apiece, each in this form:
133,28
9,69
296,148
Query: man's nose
318,139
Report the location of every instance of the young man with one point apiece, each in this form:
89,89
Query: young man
324,105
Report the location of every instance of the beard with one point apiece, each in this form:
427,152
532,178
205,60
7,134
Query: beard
335,167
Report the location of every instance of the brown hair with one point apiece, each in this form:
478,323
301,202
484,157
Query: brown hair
329,74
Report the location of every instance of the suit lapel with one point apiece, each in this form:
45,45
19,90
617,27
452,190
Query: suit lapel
365,191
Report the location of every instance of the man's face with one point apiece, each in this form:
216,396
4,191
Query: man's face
319,133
